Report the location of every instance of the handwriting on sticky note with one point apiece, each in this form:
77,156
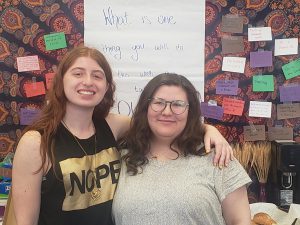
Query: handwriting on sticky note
27,116
55,41
291,69
263,83
232,24
280,133
260,109
227,87
257,134
234,44
34,89
289,93
211,111
261,59
287,46
259,34
234,64
286,111
28,63
49,78
233,106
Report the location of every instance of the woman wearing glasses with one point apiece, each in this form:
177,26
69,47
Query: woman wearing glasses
166,176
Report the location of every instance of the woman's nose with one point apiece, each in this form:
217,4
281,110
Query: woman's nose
167,110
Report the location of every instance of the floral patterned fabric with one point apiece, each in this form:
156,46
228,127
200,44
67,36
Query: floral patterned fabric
283,18
23,23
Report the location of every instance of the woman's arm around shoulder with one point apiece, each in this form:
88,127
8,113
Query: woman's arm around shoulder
119,124
223,151
26,181
236,209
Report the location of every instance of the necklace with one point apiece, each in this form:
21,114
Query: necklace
96,192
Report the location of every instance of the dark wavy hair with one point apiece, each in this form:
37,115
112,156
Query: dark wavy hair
54,109
137,139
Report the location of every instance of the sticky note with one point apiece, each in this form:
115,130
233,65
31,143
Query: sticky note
287,46
287,111
27,116
280,133
234,64
227,87
259,34
263,83
211,111
232,24
28,63
255,133
233,44
289,93
49,78
260,109
233,106
34,89
291,69
261,59
55,41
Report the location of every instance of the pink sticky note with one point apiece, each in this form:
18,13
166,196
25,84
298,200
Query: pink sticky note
34,89
28,63
233,106
49,78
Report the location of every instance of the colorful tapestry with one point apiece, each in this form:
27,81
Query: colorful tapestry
23,24
283,18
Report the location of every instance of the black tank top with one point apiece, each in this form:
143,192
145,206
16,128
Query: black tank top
75,196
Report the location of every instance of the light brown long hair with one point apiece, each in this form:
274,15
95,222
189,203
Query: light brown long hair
54,107
137,140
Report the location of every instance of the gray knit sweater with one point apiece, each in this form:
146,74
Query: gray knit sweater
186,191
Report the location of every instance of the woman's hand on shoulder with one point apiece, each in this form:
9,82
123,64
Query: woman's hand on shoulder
223,151
119,124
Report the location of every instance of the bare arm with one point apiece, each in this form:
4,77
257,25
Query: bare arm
26,185
214,138
235,207
119,124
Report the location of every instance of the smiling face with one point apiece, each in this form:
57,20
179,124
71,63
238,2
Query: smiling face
166,125
84,83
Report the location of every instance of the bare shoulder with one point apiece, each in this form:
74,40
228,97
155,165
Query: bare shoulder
30,139
28,149
119,124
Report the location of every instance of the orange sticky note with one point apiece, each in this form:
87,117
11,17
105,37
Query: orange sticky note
34,89
49,78
233,106
28,63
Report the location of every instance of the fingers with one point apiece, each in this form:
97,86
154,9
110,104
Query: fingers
207,144
223,155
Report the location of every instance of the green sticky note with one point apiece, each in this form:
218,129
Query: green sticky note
55,41
263,83
291,69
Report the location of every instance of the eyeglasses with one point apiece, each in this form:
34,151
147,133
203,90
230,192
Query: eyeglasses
177,106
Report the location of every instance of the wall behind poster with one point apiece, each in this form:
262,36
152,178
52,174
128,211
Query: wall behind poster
24,23
283,18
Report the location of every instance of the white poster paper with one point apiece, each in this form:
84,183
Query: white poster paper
143,39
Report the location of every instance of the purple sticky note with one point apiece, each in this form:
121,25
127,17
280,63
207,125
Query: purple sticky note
261,59
227,87
289,93
211,111
27,116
